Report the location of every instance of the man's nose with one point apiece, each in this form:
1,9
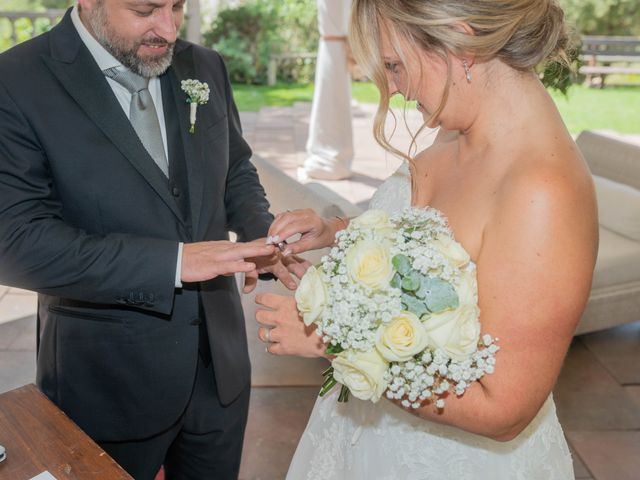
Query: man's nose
165,25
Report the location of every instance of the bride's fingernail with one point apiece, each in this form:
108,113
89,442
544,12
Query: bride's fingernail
269,240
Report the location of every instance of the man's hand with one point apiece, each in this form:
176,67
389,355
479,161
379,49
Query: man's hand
279,265
203,261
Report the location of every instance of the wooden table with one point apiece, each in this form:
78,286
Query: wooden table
39,437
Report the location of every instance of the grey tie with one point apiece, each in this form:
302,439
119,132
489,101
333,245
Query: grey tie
142,114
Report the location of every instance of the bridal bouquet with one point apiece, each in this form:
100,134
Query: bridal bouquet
396,302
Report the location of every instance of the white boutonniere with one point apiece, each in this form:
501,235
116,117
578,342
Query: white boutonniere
197,94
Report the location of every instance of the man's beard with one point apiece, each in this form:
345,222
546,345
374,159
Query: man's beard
127,54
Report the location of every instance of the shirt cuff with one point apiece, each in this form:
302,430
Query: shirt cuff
179,266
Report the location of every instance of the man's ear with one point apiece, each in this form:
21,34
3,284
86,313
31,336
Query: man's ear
86,5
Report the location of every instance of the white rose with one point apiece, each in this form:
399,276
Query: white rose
468,288
372,219
369,262
362,373
311,295
455,331
452,250
402,338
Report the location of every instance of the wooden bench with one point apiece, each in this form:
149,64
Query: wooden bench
275,60
605,55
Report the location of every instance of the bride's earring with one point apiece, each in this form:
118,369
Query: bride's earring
467,70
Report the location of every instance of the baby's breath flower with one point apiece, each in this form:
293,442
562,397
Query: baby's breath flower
355,312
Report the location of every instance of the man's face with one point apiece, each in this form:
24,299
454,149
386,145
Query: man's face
139,33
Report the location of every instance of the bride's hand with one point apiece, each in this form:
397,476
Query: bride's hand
316,232
283,330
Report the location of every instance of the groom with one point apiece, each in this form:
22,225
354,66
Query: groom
118,216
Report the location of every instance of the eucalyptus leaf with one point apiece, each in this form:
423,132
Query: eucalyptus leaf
396,281
402,264
414,305
412,281
438,294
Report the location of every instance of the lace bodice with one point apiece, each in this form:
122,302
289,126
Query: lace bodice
360,440
395,192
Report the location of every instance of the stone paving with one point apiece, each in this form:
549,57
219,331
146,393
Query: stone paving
597,395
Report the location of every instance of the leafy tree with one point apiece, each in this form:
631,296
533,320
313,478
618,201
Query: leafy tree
603,17
247,36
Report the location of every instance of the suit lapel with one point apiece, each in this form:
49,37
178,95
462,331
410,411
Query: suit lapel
183,68
79,74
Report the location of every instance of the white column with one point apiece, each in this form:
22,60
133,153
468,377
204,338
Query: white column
330,143
194,22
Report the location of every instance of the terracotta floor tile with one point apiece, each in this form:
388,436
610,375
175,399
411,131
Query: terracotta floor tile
634,393
589,398
277,418
17,305
20,291
618,350
18,368
579,468
25,340
609,455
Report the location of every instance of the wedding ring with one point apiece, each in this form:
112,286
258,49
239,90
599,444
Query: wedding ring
268,335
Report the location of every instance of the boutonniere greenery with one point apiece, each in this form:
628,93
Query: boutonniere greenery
197,94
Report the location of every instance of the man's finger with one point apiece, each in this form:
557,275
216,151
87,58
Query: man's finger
248,250
229,268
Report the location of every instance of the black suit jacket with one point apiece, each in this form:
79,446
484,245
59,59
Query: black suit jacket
89,222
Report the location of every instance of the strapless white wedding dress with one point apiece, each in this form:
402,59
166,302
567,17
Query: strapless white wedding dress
360,440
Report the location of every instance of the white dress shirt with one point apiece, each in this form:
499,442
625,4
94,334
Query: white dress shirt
105,60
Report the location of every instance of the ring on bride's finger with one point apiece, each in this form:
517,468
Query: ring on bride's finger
268,335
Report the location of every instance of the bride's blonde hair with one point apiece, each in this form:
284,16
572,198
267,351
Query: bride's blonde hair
521,33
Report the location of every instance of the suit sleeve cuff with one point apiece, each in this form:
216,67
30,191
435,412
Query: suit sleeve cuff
179,266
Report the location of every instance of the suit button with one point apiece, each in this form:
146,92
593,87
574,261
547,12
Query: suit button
175,191
196,321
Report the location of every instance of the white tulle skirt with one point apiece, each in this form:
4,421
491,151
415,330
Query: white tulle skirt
361,440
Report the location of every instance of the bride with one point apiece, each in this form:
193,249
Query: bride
518,197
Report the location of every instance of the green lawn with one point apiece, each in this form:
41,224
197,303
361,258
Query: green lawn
613,108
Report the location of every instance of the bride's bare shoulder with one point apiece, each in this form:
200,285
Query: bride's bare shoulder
446,136
442,144
548,178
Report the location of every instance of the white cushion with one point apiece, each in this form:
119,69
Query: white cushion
618,261
618,207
